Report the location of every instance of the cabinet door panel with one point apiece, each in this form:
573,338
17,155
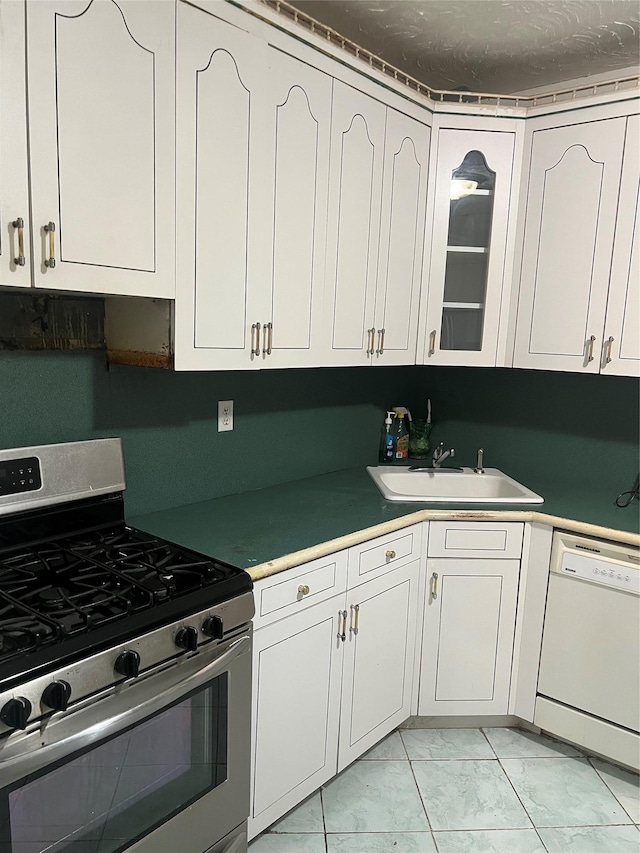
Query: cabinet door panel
101,118
474,603
222,244
623,307
468,637
406,158
378,666
355,185
14,182
300,106
296,690
572,201
468,249
222,192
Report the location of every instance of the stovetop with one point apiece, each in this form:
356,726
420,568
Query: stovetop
74,577
81,591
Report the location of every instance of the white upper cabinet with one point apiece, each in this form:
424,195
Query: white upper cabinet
101,128
472,192
402,226
572,202
355,198
15,265
621,340
297,137
222,195
253,164
375,235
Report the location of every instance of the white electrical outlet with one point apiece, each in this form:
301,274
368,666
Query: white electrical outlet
225,415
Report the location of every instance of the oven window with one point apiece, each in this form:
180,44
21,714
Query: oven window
115,793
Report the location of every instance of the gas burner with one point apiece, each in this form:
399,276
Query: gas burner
53,598
21,631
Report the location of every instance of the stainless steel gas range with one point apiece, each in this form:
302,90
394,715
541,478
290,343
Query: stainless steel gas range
125,670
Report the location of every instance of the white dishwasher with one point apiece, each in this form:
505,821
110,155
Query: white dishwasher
589,680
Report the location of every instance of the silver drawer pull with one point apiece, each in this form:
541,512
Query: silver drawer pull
390,555
434,586
342,635
355,608
303,589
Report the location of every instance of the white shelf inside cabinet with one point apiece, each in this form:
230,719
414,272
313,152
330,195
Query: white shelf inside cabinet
472,250
474,305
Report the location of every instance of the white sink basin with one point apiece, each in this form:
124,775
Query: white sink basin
442,485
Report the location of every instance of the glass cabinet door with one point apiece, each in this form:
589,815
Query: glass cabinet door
472,193
465,281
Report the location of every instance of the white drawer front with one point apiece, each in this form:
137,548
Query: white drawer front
383,554
291,591
475,539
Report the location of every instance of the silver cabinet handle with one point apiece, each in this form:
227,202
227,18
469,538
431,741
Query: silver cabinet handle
303,589
255,339
434,586
355,609
381,333
268,335
342,635
590,344
371,334
19,224
51,260
432,343
390,555
608,345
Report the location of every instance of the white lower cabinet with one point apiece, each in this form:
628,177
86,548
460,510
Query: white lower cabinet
467,642
378,663
336,654
297,667
328,681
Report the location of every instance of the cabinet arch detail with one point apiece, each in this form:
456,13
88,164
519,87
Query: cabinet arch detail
354,230
106,173
222,138
296,174
401,240
629,340
557,315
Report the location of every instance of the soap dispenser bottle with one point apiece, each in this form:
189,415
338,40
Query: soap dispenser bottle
401,436
388,442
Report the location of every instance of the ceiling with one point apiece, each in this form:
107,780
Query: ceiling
499,46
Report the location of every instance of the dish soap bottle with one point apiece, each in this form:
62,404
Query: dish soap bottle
387,442
401,437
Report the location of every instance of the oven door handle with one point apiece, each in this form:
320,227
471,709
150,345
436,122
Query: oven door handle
28,762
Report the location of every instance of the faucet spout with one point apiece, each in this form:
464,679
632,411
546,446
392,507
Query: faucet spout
440,454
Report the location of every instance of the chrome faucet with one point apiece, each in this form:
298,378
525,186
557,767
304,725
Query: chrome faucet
479,469
440,454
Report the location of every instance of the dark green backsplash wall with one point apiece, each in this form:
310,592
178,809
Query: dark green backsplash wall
298,423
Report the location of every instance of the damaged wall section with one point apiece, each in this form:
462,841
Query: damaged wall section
30,321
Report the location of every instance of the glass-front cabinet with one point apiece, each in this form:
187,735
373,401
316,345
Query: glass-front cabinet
472,198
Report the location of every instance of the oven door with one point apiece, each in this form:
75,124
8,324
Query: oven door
159,763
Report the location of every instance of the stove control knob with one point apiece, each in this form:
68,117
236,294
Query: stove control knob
213,627
128,664
15,713
187,638
56,695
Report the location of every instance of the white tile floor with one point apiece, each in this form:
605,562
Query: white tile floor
466,791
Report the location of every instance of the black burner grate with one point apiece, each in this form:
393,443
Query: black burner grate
79,583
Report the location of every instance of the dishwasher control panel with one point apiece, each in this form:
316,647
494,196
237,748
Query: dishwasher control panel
605,563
